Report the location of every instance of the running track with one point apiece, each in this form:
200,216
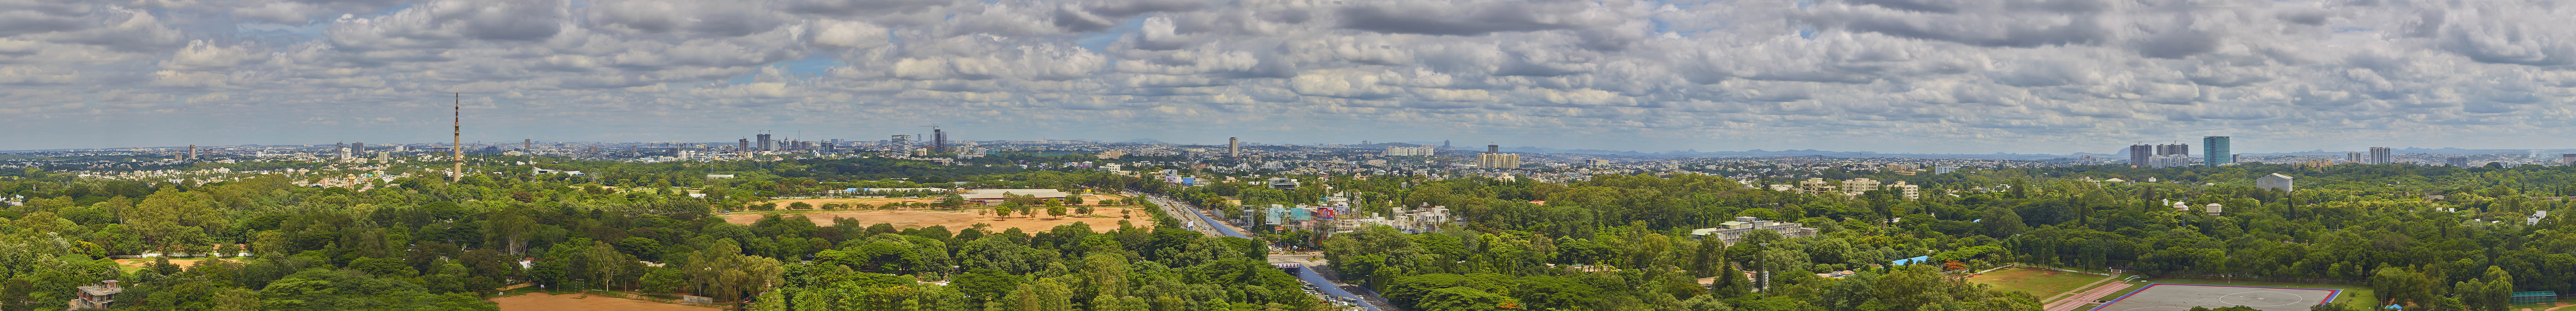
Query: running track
2071,303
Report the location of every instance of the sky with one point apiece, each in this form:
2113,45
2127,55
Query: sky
1914,76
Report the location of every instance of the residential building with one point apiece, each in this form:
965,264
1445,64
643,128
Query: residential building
101,296
2456,161
2275,181
1815,185
1856,186
1498,160
1409,151
766,144
2139,154
2173,149
2169,160
1112,154
2379,155
2567,159
2214,151
1233,147
2354,157
1908,191
1733,231
2535,218
1944,169
1596,163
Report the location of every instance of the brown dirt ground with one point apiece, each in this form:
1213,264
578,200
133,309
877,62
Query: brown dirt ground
586,302
1088,199
956,220
138,262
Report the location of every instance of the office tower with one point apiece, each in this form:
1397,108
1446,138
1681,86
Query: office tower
1233,147
2379,155
1493,148
938,140
2456,161
2215,148
2354,157
900,146
192,152
358,148
2138,155
765,144
827,146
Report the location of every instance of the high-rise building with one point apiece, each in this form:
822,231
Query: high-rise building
900,146
765,144
1493,148
2379,155
358,148
2138,155
2456,161
343,149
192,152
745,145
2214,151
938,140
2567,159
2169,160
2173,149
1233,147
827,146
2354,157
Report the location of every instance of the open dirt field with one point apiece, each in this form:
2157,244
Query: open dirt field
550,302
955,220
138,262
1088,199
2039,283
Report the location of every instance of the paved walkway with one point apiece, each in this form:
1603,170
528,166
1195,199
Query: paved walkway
2079,300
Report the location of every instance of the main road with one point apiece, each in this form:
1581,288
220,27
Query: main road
1200,222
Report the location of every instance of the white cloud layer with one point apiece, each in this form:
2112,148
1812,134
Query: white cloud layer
1952,76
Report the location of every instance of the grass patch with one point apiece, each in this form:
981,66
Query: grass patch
2039,283
2357,296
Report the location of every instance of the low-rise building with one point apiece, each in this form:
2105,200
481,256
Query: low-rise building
101,296
1733,231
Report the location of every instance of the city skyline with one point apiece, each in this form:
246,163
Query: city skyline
1957,77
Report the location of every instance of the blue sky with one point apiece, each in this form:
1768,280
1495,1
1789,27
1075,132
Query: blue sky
1959,76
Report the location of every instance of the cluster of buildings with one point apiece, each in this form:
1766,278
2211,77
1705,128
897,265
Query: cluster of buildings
1852,187
1335,216
1733,232
2218,149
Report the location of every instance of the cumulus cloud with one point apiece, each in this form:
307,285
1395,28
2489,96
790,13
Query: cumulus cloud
1888,75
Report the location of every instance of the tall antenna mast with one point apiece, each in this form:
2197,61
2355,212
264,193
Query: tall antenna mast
458,146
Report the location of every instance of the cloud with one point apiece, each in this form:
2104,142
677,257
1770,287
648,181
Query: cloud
1977,76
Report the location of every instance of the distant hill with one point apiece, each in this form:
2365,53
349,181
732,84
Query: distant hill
1143,141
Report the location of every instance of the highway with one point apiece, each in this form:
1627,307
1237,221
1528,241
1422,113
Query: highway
1210,226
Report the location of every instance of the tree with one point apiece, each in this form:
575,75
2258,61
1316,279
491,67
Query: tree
2001,222
800,206
1055,211
171,218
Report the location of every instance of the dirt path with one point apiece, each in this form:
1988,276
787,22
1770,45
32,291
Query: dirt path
2087,297
2079,288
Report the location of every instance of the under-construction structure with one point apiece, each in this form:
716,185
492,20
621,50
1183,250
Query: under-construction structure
765,144
458,146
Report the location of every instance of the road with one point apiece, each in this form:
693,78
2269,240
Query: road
1210,226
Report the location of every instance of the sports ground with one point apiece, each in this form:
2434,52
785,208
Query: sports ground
2180,297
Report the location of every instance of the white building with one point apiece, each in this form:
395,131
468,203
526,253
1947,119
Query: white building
2275,181
1409,151
899,146
2170,160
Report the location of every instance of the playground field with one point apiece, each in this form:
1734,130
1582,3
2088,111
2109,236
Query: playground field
2039,283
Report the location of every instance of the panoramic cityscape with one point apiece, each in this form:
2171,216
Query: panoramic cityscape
1287,155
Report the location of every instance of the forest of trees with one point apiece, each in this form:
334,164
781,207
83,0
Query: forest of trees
428,244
